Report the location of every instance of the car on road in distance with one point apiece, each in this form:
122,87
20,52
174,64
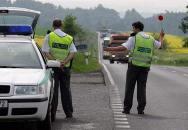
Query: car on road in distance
105,43
119,56
26,77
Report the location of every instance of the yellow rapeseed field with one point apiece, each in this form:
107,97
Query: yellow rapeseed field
175,43
39,40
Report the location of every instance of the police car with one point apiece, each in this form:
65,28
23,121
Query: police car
26,78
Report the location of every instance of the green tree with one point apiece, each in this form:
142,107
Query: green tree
184,23
184,28
70,25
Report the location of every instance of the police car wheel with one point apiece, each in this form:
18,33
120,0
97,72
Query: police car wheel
47,123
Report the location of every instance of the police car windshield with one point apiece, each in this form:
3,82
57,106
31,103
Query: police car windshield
15,20
18,55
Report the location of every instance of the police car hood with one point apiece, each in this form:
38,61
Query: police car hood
21,76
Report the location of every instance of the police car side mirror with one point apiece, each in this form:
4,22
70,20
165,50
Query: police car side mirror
53,64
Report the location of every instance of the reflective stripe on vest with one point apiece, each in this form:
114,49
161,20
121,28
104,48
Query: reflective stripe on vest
143,51
60,46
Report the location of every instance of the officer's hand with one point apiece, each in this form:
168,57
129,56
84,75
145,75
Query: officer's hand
62,65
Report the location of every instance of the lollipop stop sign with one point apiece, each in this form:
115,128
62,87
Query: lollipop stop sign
160,18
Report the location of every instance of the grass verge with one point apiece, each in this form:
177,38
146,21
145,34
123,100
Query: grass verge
79,65
169,57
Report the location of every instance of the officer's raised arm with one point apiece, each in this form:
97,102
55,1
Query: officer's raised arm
161,39
119,48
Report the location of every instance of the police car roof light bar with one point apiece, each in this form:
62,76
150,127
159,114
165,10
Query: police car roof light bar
16,30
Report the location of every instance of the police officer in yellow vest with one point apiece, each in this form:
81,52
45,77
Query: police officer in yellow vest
59,46
141,47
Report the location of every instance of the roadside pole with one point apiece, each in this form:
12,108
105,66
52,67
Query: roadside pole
86,54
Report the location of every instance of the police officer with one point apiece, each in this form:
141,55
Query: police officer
141,47
59,46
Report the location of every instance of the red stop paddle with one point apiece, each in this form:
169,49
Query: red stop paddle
161,18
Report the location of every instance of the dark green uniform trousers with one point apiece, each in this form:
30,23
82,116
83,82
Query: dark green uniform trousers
135,74
62,80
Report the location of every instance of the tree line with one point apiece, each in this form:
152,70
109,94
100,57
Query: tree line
100,17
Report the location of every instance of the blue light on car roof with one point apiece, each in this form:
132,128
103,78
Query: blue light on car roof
20,30
16,30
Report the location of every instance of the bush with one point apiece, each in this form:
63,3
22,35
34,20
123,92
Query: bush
185,40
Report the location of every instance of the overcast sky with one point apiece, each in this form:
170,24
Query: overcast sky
146,6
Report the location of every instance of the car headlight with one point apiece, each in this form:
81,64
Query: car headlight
25,90
113,55
30,90
127,55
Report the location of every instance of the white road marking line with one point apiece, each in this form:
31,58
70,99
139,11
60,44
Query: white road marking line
120,116
115,101
185,74
115,98
123,126
121,122
115,112
117,107
116,104
173,71
120,119
109,75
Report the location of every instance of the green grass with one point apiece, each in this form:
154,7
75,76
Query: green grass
79,65
168,57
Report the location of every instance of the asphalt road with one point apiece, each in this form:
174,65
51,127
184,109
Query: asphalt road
167,94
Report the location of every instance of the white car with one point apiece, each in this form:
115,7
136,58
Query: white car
26,78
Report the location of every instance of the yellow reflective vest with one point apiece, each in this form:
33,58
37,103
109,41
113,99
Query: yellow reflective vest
60,46
143,51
